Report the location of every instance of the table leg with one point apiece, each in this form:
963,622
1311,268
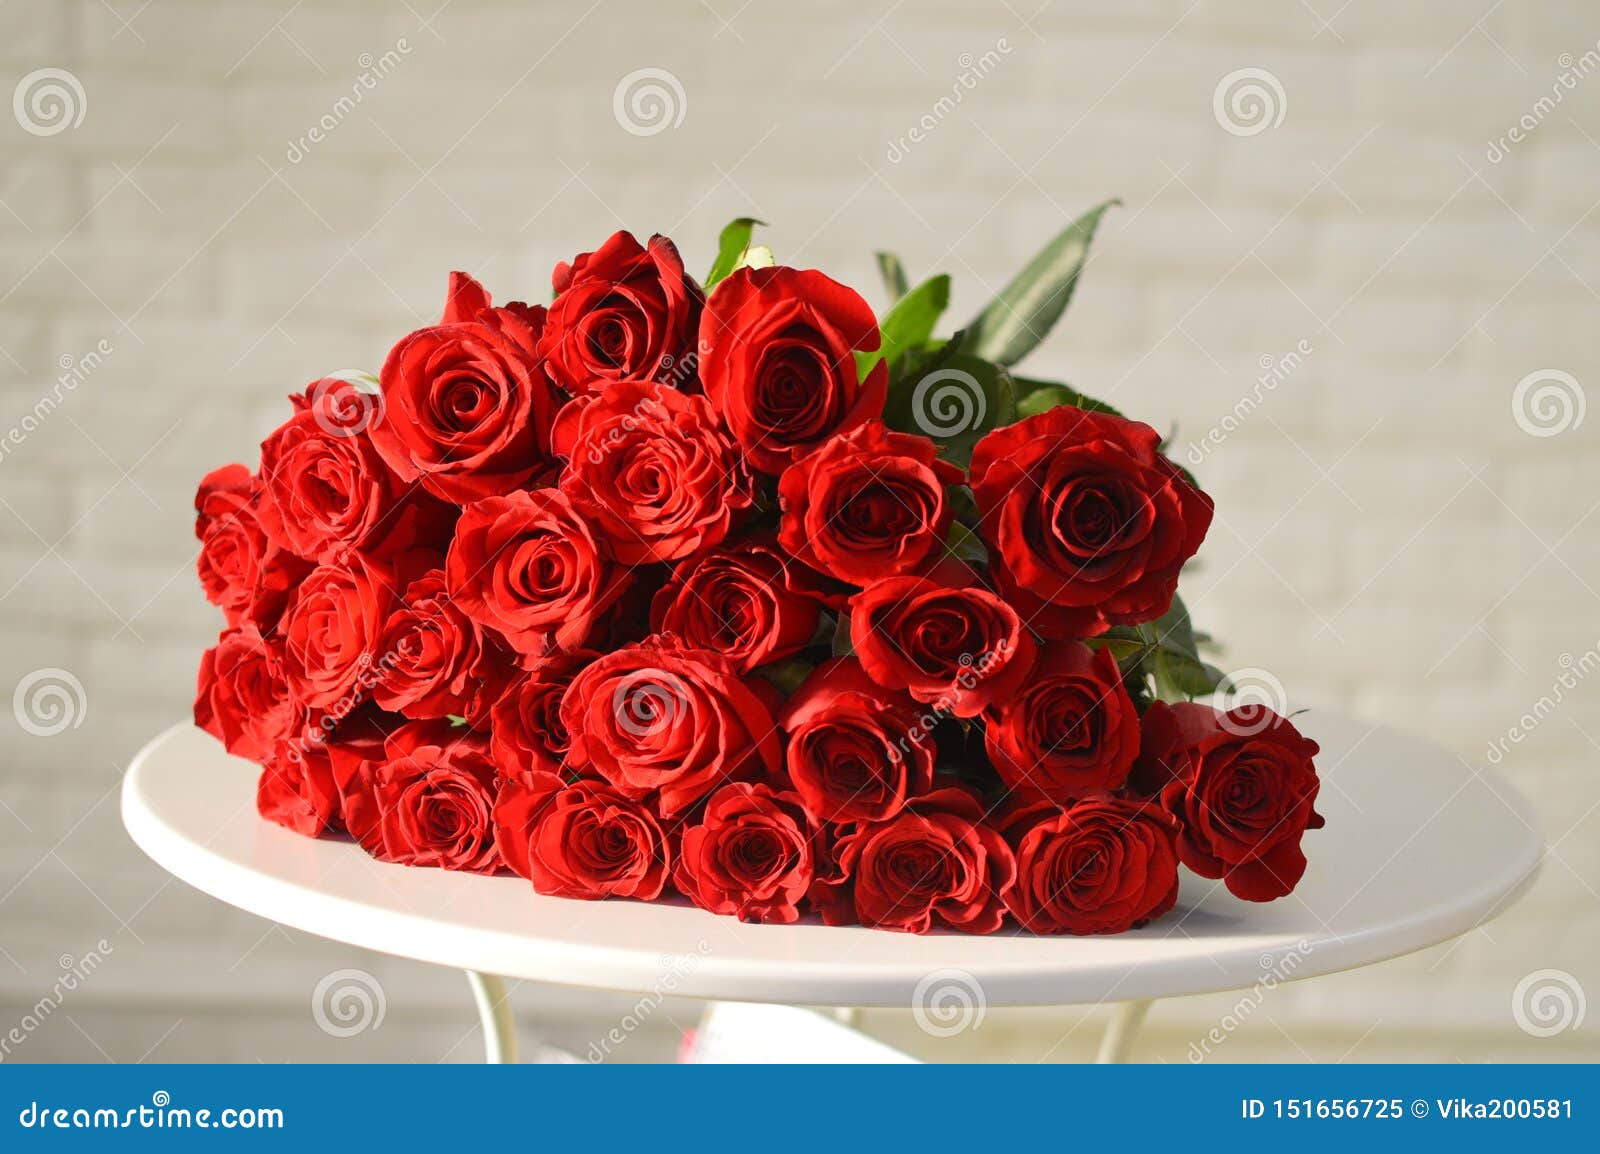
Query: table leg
494,1009
1125,1023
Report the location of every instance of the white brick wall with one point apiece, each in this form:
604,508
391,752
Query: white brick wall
1452,555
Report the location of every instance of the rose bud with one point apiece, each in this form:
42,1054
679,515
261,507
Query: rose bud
652,469
856,751
583,840
241,569
243,698
526,734
623,311
1087,524
868,504
749,855
1069,729
777,360
744,599
1242,787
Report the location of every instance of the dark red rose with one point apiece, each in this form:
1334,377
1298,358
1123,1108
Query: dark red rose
868,504
526,734
622,311
1070,728
1242,787
243,698
744,599
241,569
856,751
777,359
529,565
426,800
660,720
583,840
749,855
1087,523
325,488
332,630
466,405
652,469
435,661
934,864
299,785
1104,865
956,647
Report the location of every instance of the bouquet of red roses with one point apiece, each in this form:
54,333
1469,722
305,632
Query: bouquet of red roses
736,591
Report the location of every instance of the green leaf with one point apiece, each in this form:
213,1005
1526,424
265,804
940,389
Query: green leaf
952,397
1035,397
964,544
909,324
786,675
1026,309
893,273
456,720
842,645
731,248
1175,662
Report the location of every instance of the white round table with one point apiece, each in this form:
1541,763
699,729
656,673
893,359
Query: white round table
1420,846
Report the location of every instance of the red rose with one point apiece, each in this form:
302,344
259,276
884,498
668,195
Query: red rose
435,660
583,840
621,311
660,720
241,569
744,599
1069,729
299,784
466,405
856,751
332,630
426,800
243,698
1242,787
934,864
1087,523
526,734
653,470
868,504
777,359
530,566
749,855
955,647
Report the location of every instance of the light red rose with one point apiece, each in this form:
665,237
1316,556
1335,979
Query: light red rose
750,854
744,599
1086,522
856,751
532,567
652,469
526,734
435,661
1242,786
623,311
332,630
662,721
241,570
777,360
1069,729
580,840
869,503
243,698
